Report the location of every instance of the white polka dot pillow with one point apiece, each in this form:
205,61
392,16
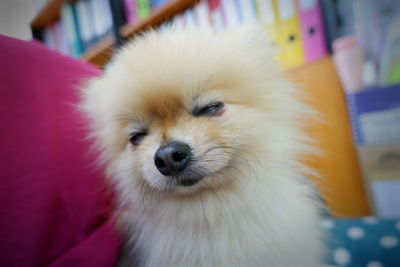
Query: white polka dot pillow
365,242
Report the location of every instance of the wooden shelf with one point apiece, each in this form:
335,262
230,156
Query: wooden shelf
48,14
157,16
101,53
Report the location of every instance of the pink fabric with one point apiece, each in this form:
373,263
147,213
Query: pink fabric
53,206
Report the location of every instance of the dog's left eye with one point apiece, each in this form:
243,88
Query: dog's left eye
209,110
135,138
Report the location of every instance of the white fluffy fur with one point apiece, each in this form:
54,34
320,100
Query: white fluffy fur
253,208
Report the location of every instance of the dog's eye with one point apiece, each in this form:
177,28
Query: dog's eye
135,138
209,110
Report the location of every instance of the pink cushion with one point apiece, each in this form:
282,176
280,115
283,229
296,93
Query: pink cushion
53,206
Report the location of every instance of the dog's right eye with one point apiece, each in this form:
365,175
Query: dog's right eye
209,110
135,138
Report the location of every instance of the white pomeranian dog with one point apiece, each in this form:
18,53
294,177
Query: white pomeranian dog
203,139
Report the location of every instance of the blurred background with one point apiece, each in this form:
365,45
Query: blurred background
345,53
15,17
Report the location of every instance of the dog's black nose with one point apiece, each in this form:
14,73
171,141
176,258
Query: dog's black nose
172,158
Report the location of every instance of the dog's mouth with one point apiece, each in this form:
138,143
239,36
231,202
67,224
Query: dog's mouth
188,182
189,178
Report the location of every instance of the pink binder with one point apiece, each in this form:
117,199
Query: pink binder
312,29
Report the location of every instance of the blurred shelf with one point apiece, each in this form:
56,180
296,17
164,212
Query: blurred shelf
157,16
101,53
49,13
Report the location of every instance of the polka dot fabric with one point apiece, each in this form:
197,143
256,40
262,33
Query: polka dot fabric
365,242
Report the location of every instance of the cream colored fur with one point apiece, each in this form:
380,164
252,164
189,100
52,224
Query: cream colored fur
253,207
